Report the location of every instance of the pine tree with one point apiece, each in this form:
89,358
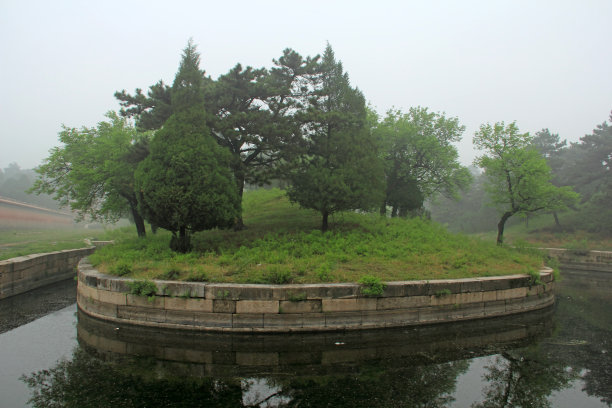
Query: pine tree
339,169
186,183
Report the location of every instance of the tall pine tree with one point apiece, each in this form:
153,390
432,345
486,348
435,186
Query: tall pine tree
339,169
186,183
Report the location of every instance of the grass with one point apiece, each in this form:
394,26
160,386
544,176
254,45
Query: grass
14,243
541,232
282,244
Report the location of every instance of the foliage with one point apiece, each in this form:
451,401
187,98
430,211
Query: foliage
419,158
185,184
93,172
518,177
371,285
142,288
338,170
282,244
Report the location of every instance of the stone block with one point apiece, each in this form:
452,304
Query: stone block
470,285
213,320
149,302
444,299
283,320
338,320
433,314
257,306
104,309
348,305
250,320
470,297
491,283
402,302
116,298
197,305
489,296
180,317
512,293
416,288
389,318
224,306
515,304
443,285
395,289
495,308
313,320
300,306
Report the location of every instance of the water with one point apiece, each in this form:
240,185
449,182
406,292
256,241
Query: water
558,357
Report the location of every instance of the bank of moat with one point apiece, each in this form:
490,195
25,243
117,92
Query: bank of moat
308,307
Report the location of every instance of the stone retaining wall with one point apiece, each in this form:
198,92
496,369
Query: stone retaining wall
583,260
307,307
19,275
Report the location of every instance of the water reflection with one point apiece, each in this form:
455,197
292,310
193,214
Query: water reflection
532,359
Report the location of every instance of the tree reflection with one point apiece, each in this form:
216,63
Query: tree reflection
86,381
428,386
524,378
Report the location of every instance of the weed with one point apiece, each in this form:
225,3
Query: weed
143,288
122,269
223,294
442,292
371,286
171,274
277,275
297,297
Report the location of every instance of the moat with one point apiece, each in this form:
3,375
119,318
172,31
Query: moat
555,357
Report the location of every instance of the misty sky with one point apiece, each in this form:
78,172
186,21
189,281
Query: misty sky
541,63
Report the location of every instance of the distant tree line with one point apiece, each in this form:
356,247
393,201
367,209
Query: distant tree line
583,166
195,144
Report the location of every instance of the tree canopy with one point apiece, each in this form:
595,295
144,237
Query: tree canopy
93,172
338,170
186,184
518,178
419,158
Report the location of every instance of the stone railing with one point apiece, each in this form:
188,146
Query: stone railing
24,273
19,275
582,260
308,307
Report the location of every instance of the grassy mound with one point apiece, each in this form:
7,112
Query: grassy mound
283,245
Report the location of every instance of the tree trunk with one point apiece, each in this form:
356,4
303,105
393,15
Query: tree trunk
182,243
239,225
557,223
324,224
140,225
500,227
383,209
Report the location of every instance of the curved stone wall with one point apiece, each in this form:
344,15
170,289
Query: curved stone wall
582,260
24,273
307,307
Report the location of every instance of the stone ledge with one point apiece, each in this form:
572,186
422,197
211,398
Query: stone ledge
311,307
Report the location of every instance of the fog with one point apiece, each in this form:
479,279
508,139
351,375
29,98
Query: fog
543,64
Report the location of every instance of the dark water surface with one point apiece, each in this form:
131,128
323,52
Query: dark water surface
559,357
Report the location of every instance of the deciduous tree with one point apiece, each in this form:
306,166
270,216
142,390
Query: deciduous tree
518,178
93,172
419,158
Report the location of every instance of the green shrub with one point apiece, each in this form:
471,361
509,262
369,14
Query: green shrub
143,288
371,286
442,293
277,275
121,269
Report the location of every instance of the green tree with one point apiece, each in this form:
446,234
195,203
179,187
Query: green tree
186,184
419,158
93,172
518,178
339,169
